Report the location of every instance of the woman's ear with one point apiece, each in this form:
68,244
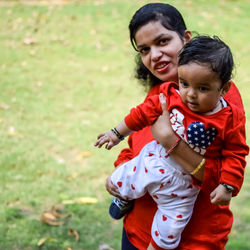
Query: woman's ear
187,36
225,88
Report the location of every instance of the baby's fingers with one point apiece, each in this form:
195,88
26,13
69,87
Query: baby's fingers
102,140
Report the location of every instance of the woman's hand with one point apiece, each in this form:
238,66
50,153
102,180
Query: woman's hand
162,130
220,196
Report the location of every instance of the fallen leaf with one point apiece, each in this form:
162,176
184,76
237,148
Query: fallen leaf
85,154
48,219
43,240
4,106
57,214
29,41
74,232
49,216
81,200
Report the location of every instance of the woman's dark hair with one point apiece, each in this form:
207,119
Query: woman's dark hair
210,51
169,17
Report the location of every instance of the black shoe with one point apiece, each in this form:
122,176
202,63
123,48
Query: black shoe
118,208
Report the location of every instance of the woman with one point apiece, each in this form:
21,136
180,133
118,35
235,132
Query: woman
158,32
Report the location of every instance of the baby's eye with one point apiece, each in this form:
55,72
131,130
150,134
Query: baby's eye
183,84
203,89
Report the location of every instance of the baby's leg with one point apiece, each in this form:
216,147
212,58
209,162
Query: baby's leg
132,178
168,225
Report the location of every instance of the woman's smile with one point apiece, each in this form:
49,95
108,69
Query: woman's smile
159,48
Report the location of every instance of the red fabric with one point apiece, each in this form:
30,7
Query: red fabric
209,226
229,145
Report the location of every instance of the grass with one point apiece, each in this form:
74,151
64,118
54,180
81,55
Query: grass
66,75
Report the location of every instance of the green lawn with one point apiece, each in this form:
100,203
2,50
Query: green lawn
67,75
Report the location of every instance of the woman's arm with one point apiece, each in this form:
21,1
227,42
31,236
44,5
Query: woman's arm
162,131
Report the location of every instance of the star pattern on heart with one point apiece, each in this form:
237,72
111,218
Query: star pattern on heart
199,136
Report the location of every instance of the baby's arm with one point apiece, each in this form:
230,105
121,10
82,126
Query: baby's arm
113,137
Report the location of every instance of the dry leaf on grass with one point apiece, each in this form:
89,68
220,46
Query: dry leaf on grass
81,200
50,219
73,232
85,154
43,240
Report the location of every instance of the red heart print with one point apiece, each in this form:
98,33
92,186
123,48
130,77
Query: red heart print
156,233
184,174
179,216
171,236
161,186
162,170
155,196
164,218
190,186
132,186
146,170
174,195
134,168
169,182
184,197
119,183
150,154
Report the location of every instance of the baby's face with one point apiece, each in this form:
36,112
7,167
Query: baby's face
200,87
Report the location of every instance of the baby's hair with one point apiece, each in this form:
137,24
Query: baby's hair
210,51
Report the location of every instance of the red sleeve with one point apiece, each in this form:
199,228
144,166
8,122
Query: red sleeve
128,153
234,152
144,114
147,112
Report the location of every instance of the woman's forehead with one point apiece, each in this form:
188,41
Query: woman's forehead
152,30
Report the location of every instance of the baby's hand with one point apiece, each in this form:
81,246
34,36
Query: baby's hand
220,196
109,138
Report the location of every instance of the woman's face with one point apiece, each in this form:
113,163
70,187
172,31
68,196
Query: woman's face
159,48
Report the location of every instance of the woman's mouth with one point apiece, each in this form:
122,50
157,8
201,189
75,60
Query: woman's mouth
161,67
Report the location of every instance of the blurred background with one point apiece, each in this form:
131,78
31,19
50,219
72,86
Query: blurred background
67,74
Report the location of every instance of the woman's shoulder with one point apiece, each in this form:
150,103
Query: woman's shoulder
233,96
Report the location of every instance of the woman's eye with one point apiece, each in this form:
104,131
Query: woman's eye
143,51
164,41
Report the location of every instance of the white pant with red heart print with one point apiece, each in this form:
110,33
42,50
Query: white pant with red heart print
169,185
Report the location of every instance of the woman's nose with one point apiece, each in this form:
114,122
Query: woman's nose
156,54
